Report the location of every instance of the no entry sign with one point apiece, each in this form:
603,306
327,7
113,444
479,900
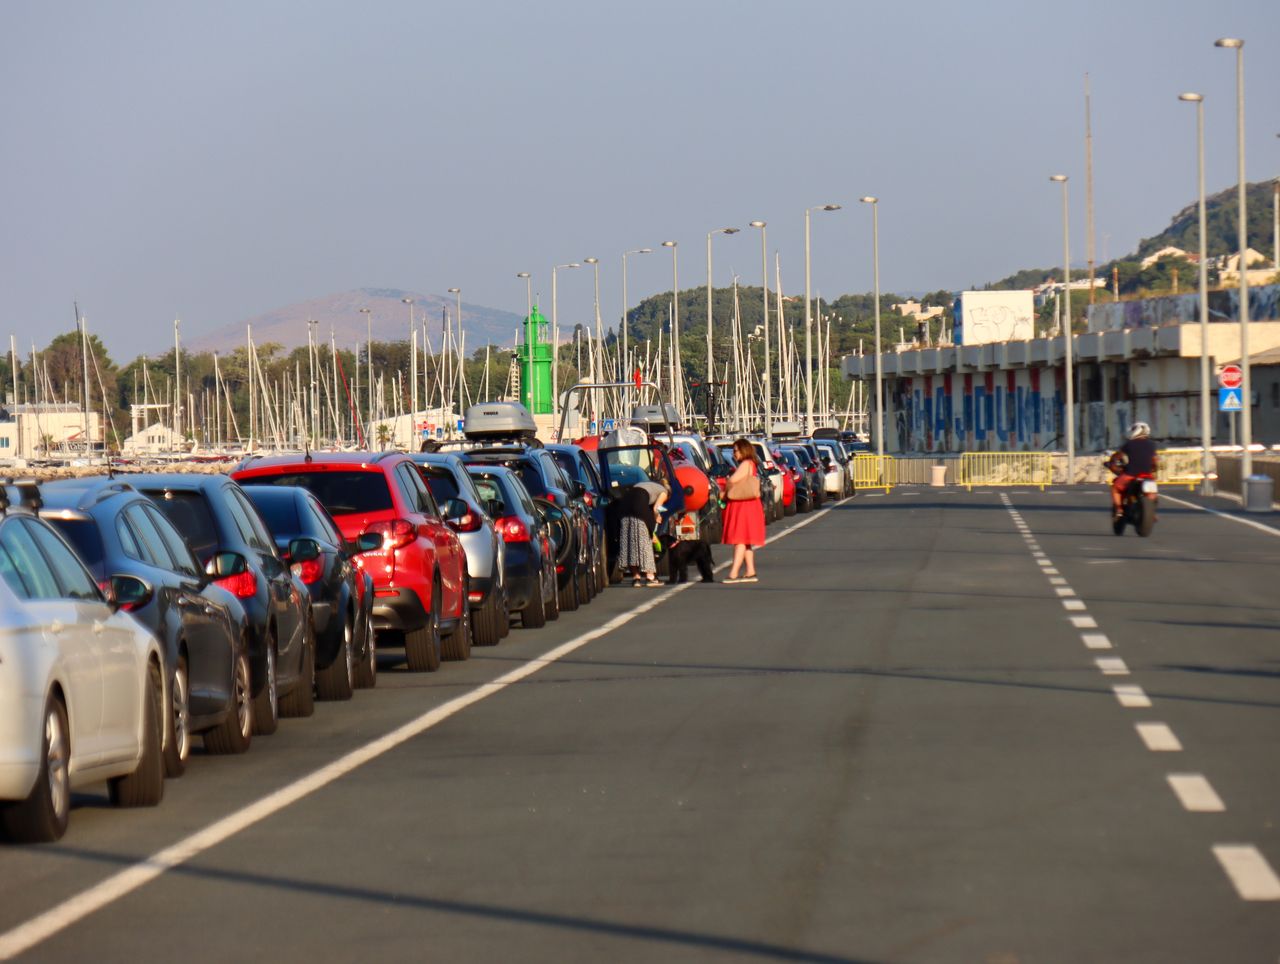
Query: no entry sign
1231,376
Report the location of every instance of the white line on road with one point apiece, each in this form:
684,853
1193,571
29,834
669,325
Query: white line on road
1112,666
1195,793
1249,871
1051,571
1158,737
1065,591
1074,604
1096,640
1083,622
1132,697
1043,562
1057,581
27,935
1224,515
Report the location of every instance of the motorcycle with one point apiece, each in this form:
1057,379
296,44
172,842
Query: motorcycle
1138,506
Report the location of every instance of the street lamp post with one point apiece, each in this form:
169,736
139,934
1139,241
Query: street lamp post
457,292
711,364
764,288
675,321
555,339
368,316
808,318
413,372
875,280
1206,435
626,306
1246,393
598,356
529,337
1066,332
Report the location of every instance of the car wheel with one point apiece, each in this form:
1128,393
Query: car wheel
504,616
567,598
586,582
601,573
422,645
552,604
484,624
457,645
534,615
43,816
301,700
367,671
144,787
177,738
266,705
236,731
337,681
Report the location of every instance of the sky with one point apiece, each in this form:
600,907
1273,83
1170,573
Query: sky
212,162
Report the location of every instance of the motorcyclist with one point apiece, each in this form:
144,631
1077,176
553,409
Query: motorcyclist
1137,457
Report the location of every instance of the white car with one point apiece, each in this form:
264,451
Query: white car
81,687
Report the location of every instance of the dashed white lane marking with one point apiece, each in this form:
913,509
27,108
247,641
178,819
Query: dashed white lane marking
1051,571
122,883
1096,640
1083,622
1195,793
1248,870
1074,604
1065,591
1224,515
1158,737
1043,562
1057,581
1131,697
1112,666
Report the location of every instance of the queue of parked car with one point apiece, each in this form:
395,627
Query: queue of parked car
138,612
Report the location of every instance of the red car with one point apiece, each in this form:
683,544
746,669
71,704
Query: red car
419,572
790,478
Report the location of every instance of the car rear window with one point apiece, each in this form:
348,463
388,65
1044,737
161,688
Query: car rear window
442,486
342,493
85,539
190,515
280,515
531,478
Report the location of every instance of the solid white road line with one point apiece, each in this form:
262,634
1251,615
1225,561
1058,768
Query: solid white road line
27,935
1112,666
1224,515
1195,793
1096,640
1083,622
1158,737
1131,697
1249,871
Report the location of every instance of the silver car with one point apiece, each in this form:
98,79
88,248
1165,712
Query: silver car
81,686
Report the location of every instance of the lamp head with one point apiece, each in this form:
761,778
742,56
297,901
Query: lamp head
668,244
455,291
729,230
591,260
522,274
645,251
1191,98
869,199
758,224
1233,42
1059,178
407,301
831,207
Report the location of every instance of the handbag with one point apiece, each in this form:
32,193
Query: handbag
745,489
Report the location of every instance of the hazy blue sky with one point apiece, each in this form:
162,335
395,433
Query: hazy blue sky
212,161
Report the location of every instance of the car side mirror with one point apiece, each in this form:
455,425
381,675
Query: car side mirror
579,489
494,508
304,550
453,509
367,542
224,564
128,593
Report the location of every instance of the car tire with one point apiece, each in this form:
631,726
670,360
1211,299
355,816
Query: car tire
586,581
43,816
601,572
504,616
422,645
567,598
367,671
552,606
266,705
144,787
337,681
177,738
301,700
484,624
457,645
236,731
534,615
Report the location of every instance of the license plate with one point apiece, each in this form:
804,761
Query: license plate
1148,487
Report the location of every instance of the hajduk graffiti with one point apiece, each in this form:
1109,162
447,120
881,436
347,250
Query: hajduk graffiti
1012,410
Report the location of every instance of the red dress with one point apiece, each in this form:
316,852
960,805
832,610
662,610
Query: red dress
744,521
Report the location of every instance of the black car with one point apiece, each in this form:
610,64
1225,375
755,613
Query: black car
126,542
228,536
810,475
341,594
581,470
529,555
623,466
543,478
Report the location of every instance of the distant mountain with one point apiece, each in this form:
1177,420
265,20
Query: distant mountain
341,314
1221,232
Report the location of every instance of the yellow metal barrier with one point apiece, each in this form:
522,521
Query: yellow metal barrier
1005,468
1179,467
872,472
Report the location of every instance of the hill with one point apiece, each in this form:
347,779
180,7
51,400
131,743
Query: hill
341,313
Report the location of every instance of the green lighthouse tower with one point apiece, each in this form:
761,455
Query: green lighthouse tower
535,365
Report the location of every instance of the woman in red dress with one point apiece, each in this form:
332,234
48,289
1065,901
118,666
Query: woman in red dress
744,514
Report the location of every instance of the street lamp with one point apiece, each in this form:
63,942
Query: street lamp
413,371
1206,433
1066,331
764,287
529,337
599,352
675,321
1246,394
808,318
625,306
368,315
461,373
555,338
875,272
711,365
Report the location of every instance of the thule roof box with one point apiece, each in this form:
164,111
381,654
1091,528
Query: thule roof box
664,416
499,420
786,430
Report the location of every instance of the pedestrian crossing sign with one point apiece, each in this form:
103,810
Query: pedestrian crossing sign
1230,400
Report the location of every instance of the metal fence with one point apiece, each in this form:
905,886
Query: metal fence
1005,468
1180,467
874,472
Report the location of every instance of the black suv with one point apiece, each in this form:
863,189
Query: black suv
126,542
581,470
228,536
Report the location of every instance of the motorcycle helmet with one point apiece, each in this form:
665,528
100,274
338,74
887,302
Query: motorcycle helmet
1139,430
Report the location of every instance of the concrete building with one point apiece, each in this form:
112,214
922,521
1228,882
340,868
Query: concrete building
158,438
1139,360
40,431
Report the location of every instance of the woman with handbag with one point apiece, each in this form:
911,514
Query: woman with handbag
744,514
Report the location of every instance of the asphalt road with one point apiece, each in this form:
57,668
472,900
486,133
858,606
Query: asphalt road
898,746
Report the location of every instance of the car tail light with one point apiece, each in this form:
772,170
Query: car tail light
242,585
475,597
309,571
551,497
811,468
589,499
470,522
512,529
396,534
769,465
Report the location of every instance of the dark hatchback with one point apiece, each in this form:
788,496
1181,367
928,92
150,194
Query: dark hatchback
126,542
341,593
578,465
228,536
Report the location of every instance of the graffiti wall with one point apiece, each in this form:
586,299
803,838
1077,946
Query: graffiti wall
1264,305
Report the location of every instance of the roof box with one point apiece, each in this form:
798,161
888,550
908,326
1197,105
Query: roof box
656,415
498,420
786,430
831,433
